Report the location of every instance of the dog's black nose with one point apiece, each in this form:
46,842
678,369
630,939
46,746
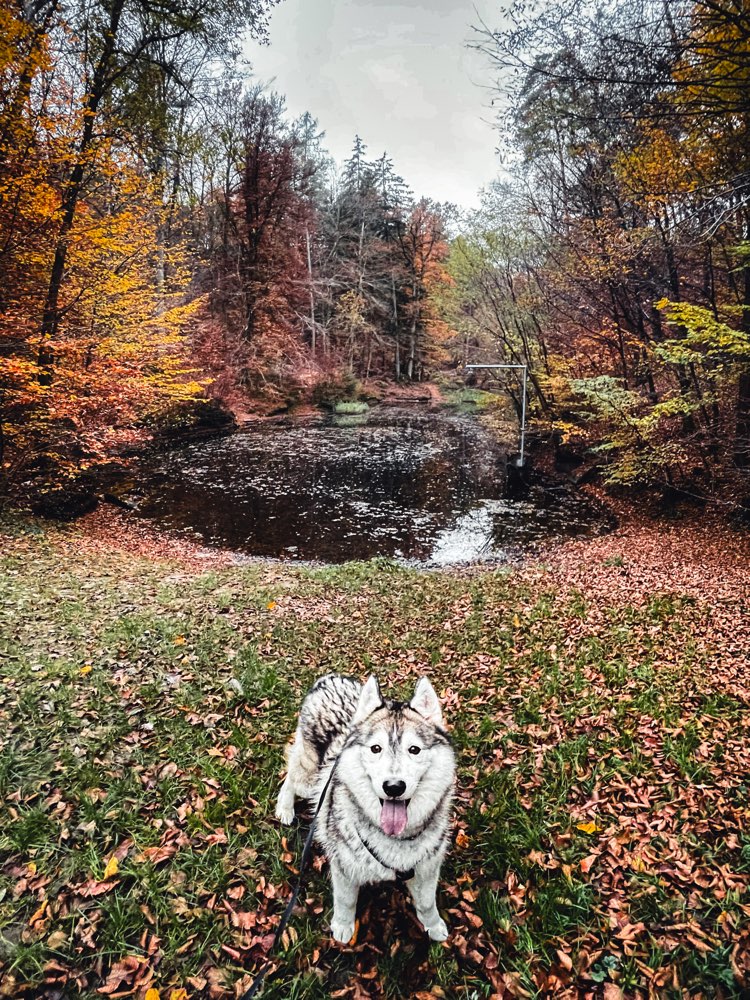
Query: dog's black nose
394,788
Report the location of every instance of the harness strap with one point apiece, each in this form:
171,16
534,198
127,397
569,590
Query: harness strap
404,875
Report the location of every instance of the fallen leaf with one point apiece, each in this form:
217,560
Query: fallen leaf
39,914
56,940
565,960
588,827
112,868
122,971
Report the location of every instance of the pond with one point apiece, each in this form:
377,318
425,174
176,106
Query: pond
420,485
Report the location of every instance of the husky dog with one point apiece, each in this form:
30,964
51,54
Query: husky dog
386,813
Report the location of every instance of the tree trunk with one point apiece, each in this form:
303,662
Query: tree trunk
412,360
395,329
312,294
742,435
2,441
74,186
22,92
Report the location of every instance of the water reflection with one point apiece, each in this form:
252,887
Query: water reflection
426,486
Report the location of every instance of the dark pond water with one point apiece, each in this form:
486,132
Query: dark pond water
425,485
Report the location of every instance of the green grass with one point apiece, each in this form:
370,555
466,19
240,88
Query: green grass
467,399
601,775
350,407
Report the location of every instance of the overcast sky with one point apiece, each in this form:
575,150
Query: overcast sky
400,75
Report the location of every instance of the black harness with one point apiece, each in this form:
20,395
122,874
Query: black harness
402,876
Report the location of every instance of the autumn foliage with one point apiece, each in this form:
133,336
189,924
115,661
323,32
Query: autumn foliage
167,232
615,261
318,274
75,395
97,278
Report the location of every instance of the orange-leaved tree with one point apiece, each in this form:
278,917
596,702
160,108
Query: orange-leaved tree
117,356
424,249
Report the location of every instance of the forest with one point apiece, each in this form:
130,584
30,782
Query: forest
234,371
170,235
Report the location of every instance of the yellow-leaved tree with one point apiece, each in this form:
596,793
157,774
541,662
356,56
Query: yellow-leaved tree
118,356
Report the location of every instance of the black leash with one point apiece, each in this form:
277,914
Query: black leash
260,976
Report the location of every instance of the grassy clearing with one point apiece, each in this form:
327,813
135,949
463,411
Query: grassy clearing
469,400
601,833
351,407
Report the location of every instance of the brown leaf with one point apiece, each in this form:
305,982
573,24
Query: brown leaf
122,972
565,960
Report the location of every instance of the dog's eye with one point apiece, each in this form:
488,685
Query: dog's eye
415,750
376,748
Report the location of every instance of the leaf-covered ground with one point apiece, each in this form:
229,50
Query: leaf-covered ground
600,708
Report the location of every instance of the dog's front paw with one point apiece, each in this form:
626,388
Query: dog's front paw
342,930
437,931
284,814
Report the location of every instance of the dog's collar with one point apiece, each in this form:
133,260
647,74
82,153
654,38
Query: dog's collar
401,875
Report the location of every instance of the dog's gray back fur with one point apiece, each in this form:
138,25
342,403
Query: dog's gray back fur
326,714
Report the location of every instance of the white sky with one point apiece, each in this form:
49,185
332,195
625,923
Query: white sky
400,75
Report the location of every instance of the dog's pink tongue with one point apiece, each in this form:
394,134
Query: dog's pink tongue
393,817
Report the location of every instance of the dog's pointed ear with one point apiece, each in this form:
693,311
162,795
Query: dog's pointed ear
426,702
369,700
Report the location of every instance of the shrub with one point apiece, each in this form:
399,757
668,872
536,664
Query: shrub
340,387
